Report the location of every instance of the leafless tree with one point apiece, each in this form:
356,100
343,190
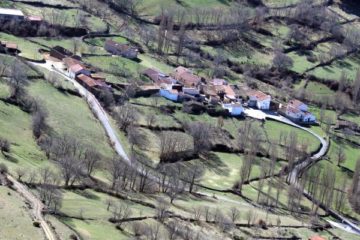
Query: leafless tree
245,170
174,145
201,133
71,170
51,196
151,119
340,155
234,214
120,212
197,211
4,146
91,160
125,116
192,175
136,137
162,207
282,62
20,172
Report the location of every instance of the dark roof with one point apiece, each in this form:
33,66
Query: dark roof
90,82
120,46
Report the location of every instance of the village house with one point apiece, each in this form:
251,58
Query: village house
74,67
235,109
77,69
186,77
259,100
9,48
147,90
224,89
171,94
34,18
158,77
98,76
8,14
90,83
61,53
298,111
121,49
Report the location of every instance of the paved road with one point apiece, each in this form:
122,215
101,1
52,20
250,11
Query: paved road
102,116
96,108
37,207
345,224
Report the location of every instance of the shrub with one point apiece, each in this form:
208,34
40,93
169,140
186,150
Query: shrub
4,145
3,168
36,224
73,237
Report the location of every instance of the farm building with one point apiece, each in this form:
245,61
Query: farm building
259,100
90,83
8,47
298,111
235,109
121,49
77,69
11,14
186,77
158,77
170,94
61,53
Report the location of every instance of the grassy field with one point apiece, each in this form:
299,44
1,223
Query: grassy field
274,129
91,204
15,126
69,43
28,49
95,229
15,218
66,17
224,172
71,115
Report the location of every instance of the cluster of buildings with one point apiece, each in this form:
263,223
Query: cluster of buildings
9,14
74,68
182,84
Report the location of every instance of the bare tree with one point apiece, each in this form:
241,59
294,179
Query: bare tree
162,208
91,160
120,212
282,62
234,214
340,156
71,170
201,133
125,116
4,146
20,172
174,145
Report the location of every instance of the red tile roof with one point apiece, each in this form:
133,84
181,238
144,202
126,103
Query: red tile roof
11,45
89,81
317,238
218,81
229,91
120,46
260,96
295,103
292,109
186,77
68,61
76,68
35,18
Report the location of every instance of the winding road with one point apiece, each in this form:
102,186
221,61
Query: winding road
37,207
293,179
